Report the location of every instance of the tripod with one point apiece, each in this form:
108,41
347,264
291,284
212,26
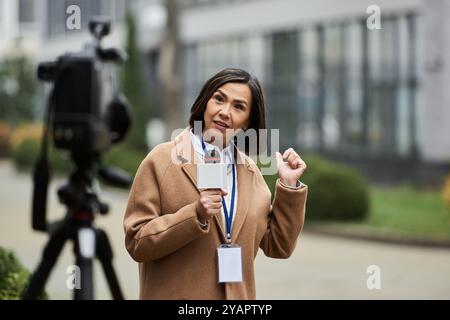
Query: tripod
89,242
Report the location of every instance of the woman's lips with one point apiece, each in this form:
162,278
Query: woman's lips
220,125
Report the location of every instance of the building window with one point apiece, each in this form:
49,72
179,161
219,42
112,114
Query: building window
338,88
333,53
282,86
308,89
26,11
353,78
391,57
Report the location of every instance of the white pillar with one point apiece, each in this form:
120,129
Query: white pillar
433,116
9,23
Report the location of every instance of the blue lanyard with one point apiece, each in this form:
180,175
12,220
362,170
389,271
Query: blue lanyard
228,216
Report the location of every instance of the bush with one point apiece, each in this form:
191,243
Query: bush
25,131
446,192
125,158
26,154
25,140
336,192
13,276
4,138
18,89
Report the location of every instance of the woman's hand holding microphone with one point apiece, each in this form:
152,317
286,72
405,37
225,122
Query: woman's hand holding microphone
209,204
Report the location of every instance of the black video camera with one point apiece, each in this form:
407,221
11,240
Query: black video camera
86,112
85,115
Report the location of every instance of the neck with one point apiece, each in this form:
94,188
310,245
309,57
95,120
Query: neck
218,143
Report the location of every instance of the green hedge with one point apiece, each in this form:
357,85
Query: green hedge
125,158
336,192
24,157
26,153
13,276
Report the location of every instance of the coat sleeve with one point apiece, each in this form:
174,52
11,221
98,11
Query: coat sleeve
149,233
285,221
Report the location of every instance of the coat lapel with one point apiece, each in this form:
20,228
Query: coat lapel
186,154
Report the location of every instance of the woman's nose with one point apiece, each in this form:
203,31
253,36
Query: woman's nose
225,111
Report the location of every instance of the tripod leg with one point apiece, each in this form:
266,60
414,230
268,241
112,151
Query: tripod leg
84,248
49,257
105,255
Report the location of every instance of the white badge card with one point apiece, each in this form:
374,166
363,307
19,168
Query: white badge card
230,263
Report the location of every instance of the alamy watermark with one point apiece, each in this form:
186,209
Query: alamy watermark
73,19
373,282
74,279
257,142
373,21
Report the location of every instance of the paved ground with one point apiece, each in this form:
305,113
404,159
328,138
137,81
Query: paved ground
322,267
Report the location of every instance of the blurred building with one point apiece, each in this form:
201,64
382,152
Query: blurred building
377,99
38,27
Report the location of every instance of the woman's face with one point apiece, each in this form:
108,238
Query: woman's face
228,110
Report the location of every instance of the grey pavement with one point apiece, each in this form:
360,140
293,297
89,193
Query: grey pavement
322,267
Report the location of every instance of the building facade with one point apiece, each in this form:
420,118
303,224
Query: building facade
39,27
375,98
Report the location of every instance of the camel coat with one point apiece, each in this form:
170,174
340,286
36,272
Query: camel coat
177,257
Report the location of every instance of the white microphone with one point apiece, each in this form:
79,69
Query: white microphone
213,173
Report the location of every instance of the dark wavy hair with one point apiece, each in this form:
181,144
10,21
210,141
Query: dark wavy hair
257,111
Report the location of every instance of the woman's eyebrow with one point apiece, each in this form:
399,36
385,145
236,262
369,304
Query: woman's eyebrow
237,100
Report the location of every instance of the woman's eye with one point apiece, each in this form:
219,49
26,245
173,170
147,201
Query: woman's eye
239,106
218,98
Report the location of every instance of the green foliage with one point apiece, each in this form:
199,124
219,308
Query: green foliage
446,191
335,191
407,210
13,276
18,90
338,192
134,89
125,158
5,132
26,153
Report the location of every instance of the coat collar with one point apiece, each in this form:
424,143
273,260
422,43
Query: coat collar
189,159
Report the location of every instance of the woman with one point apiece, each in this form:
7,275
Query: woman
178,232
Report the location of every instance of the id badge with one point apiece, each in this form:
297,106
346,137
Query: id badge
230,263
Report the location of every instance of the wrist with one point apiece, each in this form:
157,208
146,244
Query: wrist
290,183
200,218
203,225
